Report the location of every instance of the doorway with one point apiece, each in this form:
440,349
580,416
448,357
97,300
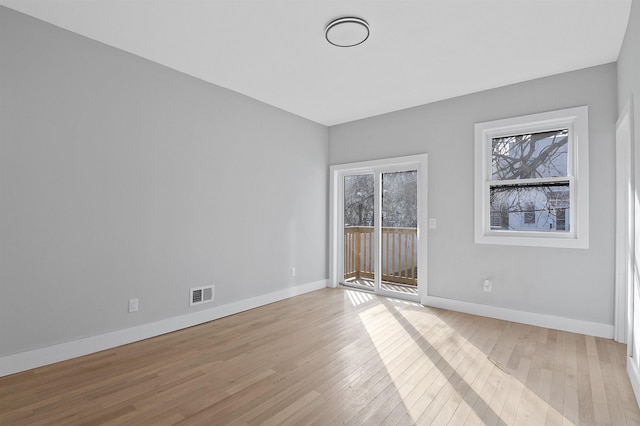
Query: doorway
625,229
378,209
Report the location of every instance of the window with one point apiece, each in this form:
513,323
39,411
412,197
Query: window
532,183
530,213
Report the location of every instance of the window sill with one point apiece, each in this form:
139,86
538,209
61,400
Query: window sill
533,240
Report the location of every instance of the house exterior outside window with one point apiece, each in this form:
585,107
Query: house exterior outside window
532,183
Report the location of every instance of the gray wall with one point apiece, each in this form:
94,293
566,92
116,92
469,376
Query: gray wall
120,178
629,87
569,283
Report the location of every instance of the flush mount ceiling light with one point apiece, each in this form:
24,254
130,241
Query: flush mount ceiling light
347,32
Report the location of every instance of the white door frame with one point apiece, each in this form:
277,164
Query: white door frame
336,239
625,231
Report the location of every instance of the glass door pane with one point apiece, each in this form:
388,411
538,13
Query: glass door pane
359,241
399,243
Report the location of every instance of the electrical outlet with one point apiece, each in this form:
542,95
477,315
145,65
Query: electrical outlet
293,272
488,286
133,305
433,223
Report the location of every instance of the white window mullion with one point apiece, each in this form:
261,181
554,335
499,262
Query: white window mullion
528,182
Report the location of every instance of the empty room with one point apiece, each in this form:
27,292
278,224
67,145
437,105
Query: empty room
319,212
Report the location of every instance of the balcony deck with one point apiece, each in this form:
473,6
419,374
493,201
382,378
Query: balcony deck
398,262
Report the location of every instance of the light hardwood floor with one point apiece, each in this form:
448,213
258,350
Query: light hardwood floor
330,357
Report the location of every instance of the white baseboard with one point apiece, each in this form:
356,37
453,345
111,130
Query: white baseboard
634,377
23,361
540,320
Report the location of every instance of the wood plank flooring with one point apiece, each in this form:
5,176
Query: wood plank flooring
335,356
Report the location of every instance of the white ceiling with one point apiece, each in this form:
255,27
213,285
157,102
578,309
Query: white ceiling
418,51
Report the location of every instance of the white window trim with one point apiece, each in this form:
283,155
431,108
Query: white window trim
576,120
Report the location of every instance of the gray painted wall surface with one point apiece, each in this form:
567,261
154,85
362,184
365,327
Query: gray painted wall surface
570,283
629,87
120,178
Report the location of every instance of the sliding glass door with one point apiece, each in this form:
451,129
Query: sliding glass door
379,220
399,232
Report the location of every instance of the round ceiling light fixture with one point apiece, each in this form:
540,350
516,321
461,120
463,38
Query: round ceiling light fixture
347,32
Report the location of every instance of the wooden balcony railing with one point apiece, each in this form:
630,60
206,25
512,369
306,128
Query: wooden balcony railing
399,254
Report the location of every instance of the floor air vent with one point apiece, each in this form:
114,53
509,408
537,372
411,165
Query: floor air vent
201,295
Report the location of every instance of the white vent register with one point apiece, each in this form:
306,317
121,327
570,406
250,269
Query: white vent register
201,295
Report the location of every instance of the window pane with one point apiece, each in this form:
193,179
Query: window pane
358,200
530,156
400,199
399,244
358,230
539,208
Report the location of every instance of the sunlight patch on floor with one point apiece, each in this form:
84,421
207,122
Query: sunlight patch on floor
358,297
404,302
455,380
394,355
